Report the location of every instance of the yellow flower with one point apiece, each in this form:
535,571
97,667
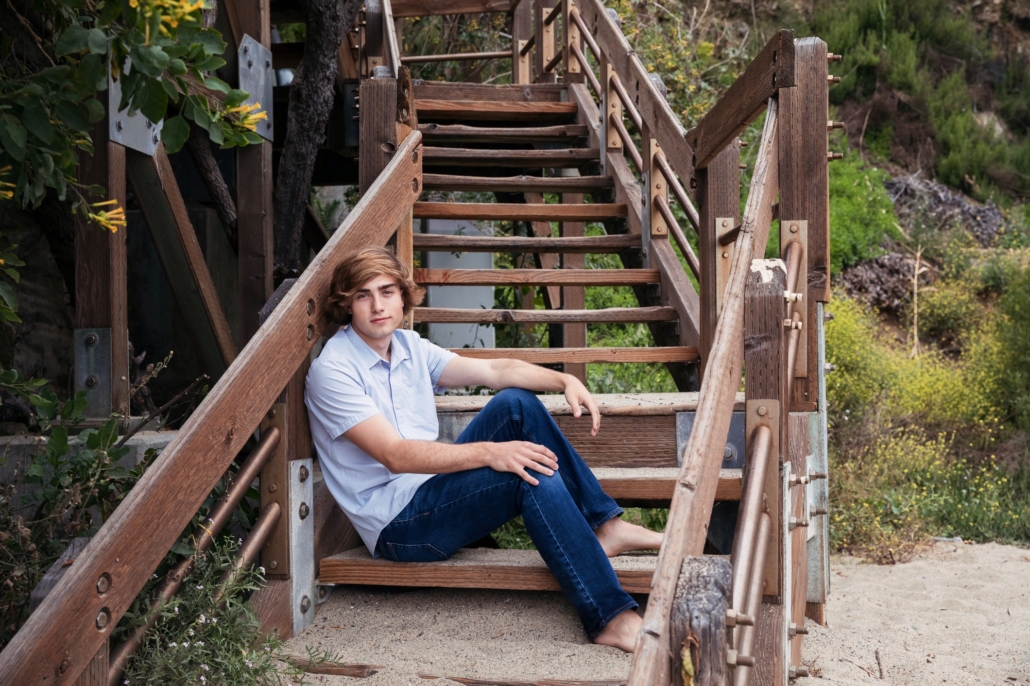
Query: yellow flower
248,120
109,219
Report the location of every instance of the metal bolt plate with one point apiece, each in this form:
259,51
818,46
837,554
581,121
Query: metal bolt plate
257,78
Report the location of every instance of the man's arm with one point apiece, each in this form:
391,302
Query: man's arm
377,437
499,374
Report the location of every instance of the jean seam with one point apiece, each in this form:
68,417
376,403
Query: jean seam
446,505
604,519
632,604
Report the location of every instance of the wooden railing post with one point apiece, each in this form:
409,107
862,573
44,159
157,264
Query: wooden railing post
545,40
521,32
574,297
571,36
718,205
765,359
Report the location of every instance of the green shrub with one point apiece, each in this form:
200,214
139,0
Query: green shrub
1015,342
861,378
948,310
861,212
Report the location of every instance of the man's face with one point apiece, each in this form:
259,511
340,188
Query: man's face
377,309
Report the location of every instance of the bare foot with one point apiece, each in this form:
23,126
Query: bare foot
621,632
617,536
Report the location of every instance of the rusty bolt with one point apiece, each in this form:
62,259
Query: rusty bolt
63,667
304,474
103,617
91,339
304,511
795,630
818,512
273,564
305,604
91,381
103,584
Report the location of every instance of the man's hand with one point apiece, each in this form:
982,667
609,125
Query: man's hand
519,456
578,396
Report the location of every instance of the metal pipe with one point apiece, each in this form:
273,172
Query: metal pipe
627,142
549,19
587,71
250,549
677,189
219,515
677,232
587,36
631,109
750,508
792,350
746,645
418,59
555,61
530,44
795,251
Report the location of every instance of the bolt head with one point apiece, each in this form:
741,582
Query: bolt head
118,125
762,411
309,333
103,584
793,228
250,63
63,667
305,604
725,254
273,564
272,488
268,64
304,474
91,339
103,617
92,381
304,511
725,223
310,308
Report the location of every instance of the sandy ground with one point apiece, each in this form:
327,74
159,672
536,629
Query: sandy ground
956,614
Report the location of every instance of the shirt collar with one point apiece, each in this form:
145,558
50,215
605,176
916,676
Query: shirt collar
369,357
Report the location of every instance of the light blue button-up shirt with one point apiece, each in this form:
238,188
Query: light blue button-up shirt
350,383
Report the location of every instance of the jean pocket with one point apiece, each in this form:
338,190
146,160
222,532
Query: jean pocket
423,552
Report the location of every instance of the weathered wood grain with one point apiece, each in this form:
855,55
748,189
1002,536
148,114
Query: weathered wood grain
130,544
585,355
698,632
771,70
610,404
610,314
478,92
502,134
653,486
475,157
540,212
487,110
522,244
539,277
515,184
419,8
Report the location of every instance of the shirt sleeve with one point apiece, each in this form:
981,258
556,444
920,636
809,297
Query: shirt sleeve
336,399
436,359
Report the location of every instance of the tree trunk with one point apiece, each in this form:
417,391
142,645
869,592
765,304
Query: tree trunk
311,100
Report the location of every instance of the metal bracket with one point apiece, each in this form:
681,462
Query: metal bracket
135,131
766,413
723,260
734,452
303,593
658,187
257,78
92,353
275,488
797,230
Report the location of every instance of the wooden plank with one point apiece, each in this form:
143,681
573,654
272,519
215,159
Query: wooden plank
590,244
420,8
131,544
695,489
515,184
254,193
521,32
451,90
158,196
718,197
378,137
607,315
769,656
101,296
585,355
770,71
677,291
516,570
610,404
502,134
473,157
334,533
574,334
271,605
539,277
654,487
95,673
797,451
544,260
497,211
486,110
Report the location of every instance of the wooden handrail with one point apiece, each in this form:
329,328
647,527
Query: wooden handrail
555,61
419,59
695,487
756,575
421,8
129,546
390,37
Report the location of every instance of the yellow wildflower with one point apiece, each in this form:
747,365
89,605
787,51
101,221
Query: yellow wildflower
109,219
248,120
6,188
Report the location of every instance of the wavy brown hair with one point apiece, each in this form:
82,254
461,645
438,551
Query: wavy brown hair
359,269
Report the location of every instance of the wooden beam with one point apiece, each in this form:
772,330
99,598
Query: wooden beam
770,71
574,334
610,404
535,277
502,134
131,543
516,244
474,157
158,196
378,137
655,486
101,295
607,315
488,110
517,212
584,355
420,8
515,184
695,489
527,93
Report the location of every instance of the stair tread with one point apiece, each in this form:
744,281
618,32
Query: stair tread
550,277
484,110
498,316
517,211
576,244
514,184
607,403
584,355
483,157
654,486
473,568
503,134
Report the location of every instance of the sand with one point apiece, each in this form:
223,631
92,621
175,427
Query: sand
956,614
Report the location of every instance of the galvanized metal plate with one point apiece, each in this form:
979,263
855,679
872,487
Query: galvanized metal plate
136,131
303,593
733,453
92,359
257,78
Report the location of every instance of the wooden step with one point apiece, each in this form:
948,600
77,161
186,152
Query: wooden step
502,134
538,277
614,243
535,159
515,184
463,90
584,355
653,487
497,211
609,404
487,110
441,315
516,570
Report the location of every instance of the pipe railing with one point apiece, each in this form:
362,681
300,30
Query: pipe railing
745,647
677,233
248,553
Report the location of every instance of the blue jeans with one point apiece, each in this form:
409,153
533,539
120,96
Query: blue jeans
452,510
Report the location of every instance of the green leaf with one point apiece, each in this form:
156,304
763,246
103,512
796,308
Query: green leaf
95,109
37,469
174,134
211,41
93,72
235,98
201,116
73,116
13,136
13,273
7,293
155,103
177,67
150,61
211,63
74,39
97,40
215,83
37,121
217,134
169,86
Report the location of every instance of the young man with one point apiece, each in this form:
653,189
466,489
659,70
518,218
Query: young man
373,419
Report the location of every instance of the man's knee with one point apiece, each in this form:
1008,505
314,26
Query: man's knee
521,402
